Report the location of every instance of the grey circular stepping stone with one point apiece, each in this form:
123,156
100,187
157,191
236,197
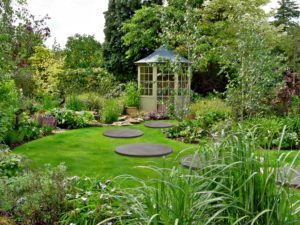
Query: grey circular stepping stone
123,133
290,177
191,161
143,150
159,125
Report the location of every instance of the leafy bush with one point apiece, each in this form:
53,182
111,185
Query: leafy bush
131,95
187,131
90,201
70,119
233,186
92,101
46,120
86,80
111,111
74,103
8,105
47,102
210,107
268,131
27,129
34,197
157,116
10,164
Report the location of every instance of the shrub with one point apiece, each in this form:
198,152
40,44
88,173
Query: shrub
10,164
86,80
111,111
233,186
74,103
34,197
27,129
187,131
131,95
70,119
8,105
214,106
90,201
47,102
92,101
268,131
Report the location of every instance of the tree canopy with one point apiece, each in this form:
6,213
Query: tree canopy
83,51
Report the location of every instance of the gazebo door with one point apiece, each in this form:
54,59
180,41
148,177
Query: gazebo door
165,89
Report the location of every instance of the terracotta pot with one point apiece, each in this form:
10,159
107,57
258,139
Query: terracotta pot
131,111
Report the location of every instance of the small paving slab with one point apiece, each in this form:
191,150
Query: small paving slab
290,177
191,161
123,133
143,150
158,125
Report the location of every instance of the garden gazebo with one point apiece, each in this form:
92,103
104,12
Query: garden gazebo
160,84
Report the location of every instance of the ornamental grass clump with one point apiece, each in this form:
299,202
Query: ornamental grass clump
235,185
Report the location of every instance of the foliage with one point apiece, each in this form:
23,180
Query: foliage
111,111
207,196
10,164
258,70
274,132
83,51
92,101
70,119
189,131
74,103
287,12
35,197
141,32
91,201
157,116
20,32
287,96
8,104
209,105
96,80
46,69
132,95
113,49
291,47
26,130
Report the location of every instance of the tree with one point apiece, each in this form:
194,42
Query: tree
83,51
46,69
114,51
287,13
142,32
258,70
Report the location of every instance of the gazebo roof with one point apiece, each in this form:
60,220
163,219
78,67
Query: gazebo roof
162,54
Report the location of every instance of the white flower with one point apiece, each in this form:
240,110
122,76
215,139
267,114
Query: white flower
88,193
83,199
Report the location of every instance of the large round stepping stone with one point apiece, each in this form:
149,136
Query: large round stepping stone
290,177
143,150
158,124
123,133
191,161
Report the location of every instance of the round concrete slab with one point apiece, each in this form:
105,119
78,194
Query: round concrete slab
143,150
191,161
159,125
123,133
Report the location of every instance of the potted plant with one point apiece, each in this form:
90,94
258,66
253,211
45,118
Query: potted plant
131,98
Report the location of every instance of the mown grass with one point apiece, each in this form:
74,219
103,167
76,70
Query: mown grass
86,152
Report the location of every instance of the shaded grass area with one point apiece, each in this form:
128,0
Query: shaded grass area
86,152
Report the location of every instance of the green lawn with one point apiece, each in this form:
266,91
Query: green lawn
86,152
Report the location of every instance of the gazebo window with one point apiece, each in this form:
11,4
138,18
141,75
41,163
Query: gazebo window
165,83
183,82
146,80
